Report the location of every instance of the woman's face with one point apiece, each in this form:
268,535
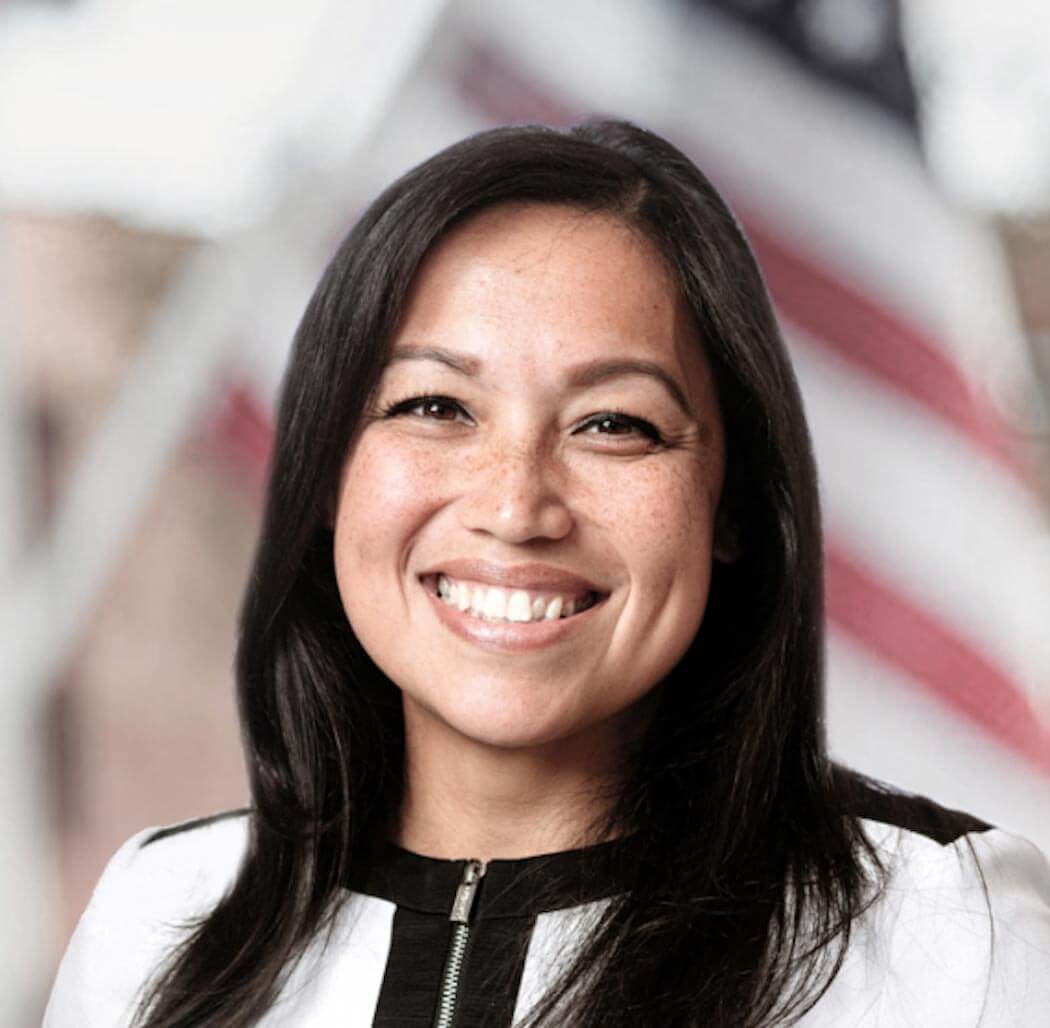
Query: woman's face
545,439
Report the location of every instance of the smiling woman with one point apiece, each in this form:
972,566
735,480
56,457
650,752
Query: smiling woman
531,661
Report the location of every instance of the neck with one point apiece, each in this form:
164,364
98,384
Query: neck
465,799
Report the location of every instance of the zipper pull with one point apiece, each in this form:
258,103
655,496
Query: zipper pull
462,905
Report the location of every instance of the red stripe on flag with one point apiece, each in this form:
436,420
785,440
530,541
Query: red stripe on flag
878,341
872,612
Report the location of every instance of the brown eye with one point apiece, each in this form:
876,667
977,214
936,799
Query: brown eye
429,408
619,424
438,409
613,426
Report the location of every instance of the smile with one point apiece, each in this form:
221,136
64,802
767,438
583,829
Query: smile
493,603
500,633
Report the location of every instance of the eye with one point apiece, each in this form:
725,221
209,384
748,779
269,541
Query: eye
429,407
620,423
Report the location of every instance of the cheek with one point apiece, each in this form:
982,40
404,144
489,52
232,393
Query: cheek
666,537
663,520
384,496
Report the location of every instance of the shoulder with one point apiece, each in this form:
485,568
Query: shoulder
938,857
960,929
875,803
174,874
209,843
151,892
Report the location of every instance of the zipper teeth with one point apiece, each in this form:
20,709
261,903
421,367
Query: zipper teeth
450,982
459,915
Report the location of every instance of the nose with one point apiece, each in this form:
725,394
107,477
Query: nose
516,493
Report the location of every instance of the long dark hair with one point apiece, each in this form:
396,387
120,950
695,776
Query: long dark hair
748,872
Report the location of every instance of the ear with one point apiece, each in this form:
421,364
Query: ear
728,546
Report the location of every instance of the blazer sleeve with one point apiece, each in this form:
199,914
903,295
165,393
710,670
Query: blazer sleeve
1017,876
958,938
150,895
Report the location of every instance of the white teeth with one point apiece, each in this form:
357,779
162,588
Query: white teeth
518,606
496,603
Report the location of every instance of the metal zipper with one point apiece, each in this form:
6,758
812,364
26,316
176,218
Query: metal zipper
459,915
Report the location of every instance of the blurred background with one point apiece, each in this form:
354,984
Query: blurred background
173,178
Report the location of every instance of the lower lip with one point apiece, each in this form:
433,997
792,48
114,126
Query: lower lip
511,636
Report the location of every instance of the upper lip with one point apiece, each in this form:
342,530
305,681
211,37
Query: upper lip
532,576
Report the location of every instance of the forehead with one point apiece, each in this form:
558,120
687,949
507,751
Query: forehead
546,283
544,247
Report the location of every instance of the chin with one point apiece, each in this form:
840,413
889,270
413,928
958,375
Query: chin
513,738
539,724
508,729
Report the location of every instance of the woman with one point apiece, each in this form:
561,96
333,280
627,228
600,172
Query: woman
530,665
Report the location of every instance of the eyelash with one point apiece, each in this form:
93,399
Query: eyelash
616,416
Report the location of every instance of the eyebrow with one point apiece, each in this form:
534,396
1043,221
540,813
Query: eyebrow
589,373
596,371
469,366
